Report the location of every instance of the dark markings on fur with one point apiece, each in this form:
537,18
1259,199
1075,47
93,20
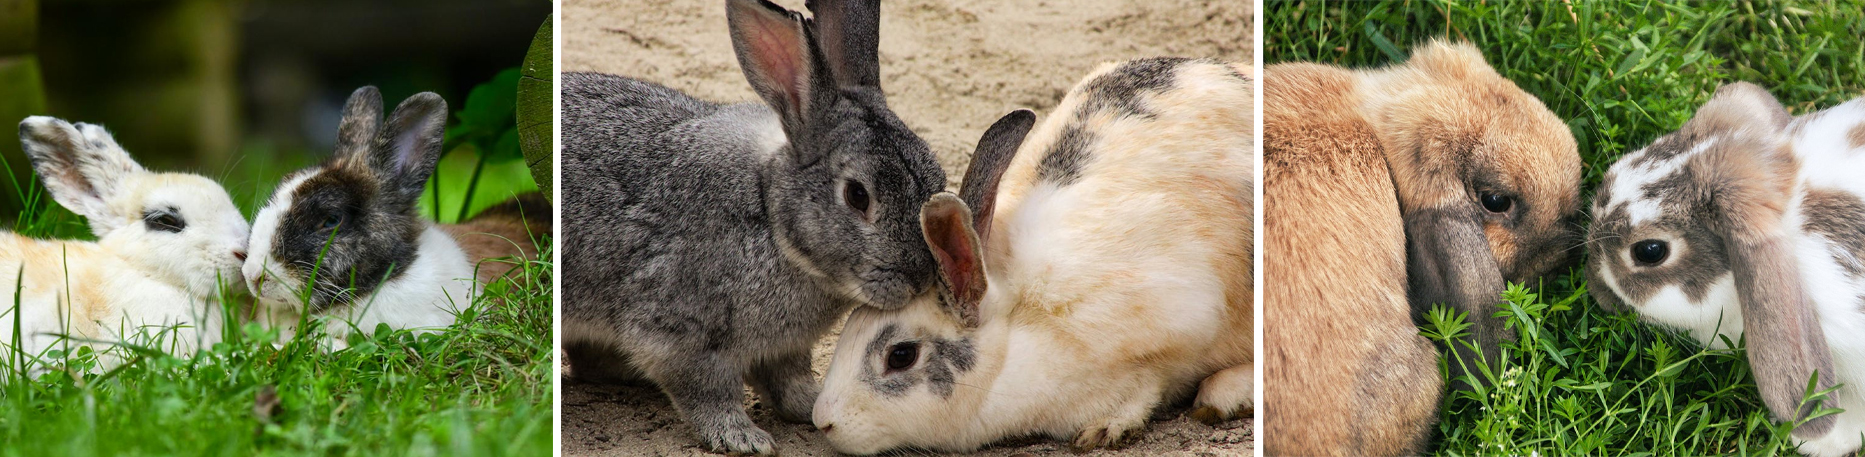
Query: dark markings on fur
943,361
1840,217
1063,162
1122,89
1856,136
370,247
1700,263
1121,92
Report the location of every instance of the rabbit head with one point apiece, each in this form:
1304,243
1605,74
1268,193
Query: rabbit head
1488,179
911,361
338,231
1690,231
180,228
844,193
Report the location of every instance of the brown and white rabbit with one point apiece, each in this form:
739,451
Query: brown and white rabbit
1748,221
1386,191
351,229
165,243
1110,271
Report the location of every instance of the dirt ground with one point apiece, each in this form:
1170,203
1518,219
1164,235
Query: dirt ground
950,68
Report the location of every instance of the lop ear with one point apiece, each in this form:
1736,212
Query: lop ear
1448,261
781,62
82,166
995,150
409,147
1737,106
850,34
947,226
1747,187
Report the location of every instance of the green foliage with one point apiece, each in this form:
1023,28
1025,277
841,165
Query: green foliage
1579,380
537,110
484,143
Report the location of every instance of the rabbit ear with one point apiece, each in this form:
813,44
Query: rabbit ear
782,66
1738,106
362,117
409,147
995,149
1448,261
1747,187
946,224
82,166
849,33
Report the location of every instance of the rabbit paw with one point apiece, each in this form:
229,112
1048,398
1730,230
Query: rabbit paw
744,439
1225,395
1111,436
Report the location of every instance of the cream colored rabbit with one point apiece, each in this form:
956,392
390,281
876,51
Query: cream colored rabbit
1109,273
165,244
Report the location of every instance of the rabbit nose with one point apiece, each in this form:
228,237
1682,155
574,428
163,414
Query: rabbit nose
826,428
240,254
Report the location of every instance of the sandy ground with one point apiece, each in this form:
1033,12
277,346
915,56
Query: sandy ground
950,68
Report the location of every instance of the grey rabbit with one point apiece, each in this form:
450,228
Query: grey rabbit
712,245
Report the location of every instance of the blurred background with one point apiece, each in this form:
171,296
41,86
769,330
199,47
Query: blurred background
245,91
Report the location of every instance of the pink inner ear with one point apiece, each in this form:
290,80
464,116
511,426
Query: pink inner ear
957,254
777,47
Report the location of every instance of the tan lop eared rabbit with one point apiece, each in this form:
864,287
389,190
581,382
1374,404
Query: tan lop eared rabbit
1749,224
1108,271
165,244
1386,191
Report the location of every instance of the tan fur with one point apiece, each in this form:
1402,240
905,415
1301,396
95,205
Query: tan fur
1856,136
1346,154
500,238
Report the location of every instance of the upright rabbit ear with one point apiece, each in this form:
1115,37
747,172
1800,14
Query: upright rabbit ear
1448,261
362,118
995,150
947,226
1747,186
82,166
409,147
849,32
775,51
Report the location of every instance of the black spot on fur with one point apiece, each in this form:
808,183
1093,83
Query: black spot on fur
368,248
1121,90
1063,162
945,360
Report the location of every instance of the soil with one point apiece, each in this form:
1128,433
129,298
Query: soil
950,68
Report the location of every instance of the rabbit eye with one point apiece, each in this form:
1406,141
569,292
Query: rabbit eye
331,222
902,356
164,221
856,196
1496,203
1650,252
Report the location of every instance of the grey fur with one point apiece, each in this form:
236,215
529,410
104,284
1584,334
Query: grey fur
707,261
942,360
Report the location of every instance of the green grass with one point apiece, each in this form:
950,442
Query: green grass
480,387
1581,380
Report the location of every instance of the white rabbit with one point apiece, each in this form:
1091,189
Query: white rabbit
165,243
1745,220
351,230
1117,276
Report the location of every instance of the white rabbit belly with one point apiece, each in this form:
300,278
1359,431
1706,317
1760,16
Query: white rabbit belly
426,297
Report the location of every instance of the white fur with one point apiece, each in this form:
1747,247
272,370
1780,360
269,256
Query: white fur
427,296
133,284
1105,298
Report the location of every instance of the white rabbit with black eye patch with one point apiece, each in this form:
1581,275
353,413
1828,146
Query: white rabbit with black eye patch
344,239
1110,272
166,242
1747,224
